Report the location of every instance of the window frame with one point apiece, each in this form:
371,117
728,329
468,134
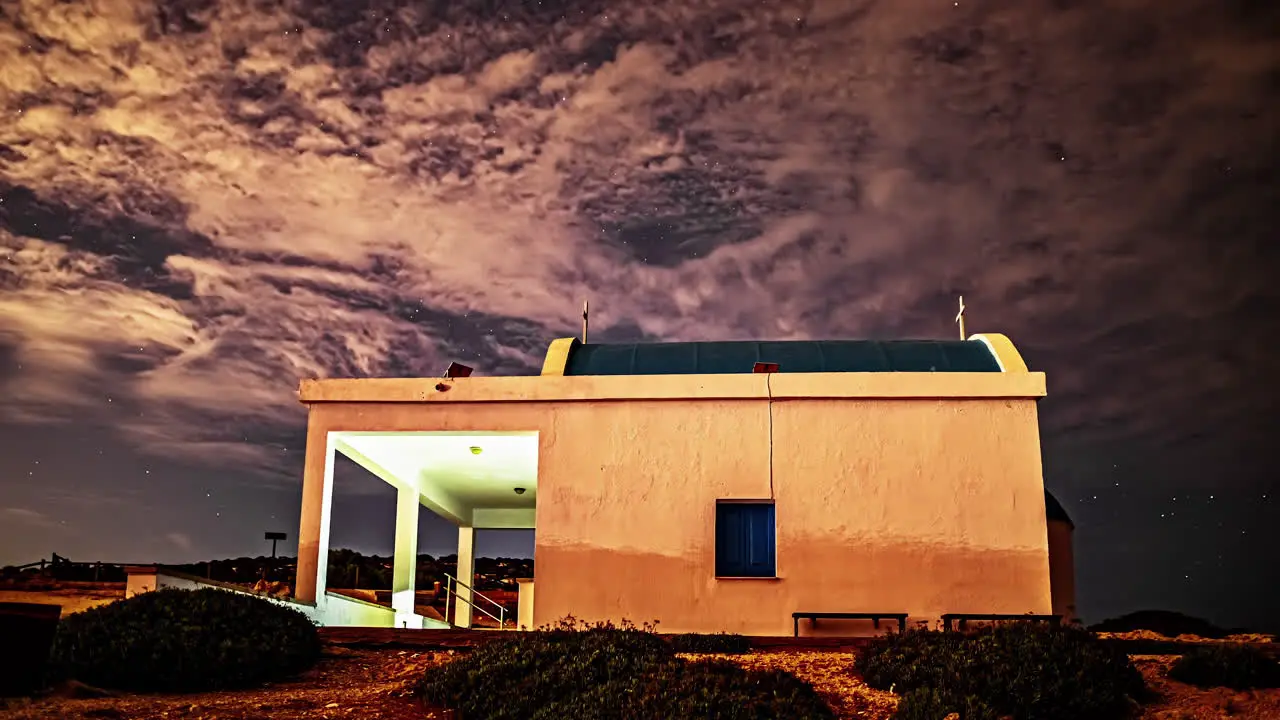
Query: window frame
722,569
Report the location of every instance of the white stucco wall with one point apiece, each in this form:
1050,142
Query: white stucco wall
524,608
341,611
139,584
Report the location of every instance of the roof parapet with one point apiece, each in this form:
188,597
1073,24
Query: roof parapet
558,353
1006,355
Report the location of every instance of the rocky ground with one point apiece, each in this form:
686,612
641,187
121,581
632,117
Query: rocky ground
1149,635
377,684
347,683
1184,702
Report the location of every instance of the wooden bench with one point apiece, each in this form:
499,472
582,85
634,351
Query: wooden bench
874,617
963,618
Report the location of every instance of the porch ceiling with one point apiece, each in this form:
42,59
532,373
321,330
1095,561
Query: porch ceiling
469,478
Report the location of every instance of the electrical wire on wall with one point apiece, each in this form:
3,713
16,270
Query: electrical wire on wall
768,385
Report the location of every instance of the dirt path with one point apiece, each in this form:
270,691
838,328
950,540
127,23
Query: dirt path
829,673
1185,702
347,683
378,684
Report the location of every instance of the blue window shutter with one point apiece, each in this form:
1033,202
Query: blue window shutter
729,527
762,542
745,540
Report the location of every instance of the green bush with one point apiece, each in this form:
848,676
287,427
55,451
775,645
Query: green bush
1024,670
184,641
929,704
912,660
604,672
720,643
1239,667
700,689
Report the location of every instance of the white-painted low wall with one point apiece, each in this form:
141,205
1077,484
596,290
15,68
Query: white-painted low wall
333,610
139,583
142,580
146,579
342,611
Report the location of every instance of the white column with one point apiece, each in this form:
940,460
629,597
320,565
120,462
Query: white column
524,607
467,574
405,566
317,507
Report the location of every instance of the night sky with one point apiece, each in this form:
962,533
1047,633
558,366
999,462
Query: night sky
202,202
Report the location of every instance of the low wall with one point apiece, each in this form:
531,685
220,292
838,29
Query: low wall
342,611
145,579
334,609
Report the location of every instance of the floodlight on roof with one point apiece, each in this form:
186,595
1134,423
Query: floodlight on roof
457,370
764,367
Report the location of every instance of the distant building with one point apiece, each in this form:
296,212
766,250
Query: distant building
685,483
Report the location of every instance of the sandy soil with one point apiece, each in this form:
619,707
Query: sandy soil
347,683
829,674
73,599
378,684
1149,635
1185,702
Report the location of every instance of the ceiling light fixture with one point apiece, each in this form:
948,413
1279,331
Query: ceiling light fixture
476,450
519,491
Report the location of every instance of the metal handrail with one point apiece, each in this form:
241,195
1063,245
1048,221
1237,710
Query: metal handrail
475,592
500,618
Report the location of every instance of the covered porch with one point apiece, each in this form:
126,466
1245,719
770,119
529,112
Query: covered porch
475,480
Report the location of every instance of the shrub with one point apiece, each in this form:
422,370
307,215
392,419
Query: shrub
929,704
604,672
716,689
911,660
1239,667
720,643
184,641
512,678
1024,670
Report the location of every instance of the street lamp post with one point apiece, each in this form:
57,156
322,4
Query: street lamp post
274,537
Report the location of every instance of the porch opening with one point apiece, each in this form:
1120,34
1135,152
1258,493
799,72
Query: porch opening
476,481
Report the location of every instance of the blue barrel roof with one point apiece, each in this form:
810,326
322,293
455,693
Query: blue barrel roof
709,358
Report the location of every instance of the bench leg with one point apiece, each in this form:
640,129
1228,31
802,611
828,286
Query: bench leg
875,623
795,622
